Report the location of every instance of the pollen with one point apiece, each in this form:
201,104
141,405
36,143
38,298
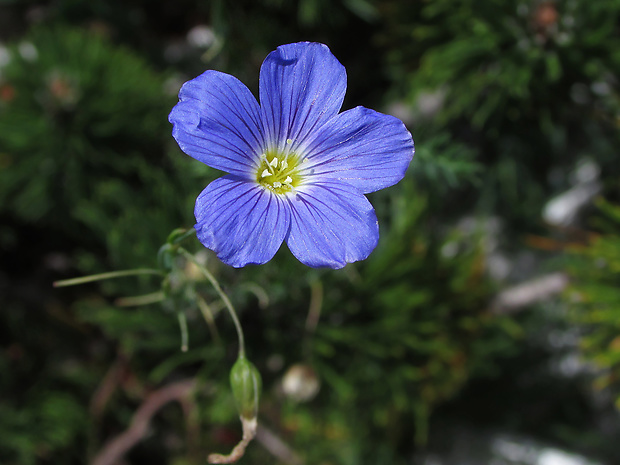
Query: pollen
279,172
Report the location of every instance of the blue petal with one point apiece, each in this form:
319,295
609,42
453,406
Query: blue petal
217,121
302,86
240,221
361,147
332,224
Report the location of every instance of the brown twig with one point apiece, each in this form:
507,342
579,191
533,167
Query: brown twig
115,449
107,387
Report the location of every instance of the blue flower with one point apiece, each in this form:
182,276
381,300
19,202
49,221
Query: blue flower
297,169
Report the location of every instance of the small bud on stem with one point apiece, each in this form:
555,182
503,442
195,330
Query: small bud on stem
245,382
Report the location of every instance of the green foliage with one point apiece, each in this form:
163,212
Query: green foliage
595,298
528,85
85,124
50,425
507,61
444,165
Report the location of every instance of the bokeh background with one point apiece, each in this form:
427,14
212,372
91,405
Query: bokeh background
484,329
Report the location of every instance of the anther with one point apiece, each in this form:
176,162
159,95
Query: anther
288,180
277,184
265,173
274,162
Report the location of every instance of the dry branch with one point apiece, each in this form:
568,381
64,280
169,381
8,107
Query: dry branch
114,450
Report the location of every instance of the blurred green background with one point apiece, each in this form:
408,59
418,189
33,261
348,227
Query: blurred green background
485,327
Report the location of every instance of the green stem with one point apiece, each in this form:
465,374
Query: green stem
102,276
182,236
138,300
223,296
183,325
207,314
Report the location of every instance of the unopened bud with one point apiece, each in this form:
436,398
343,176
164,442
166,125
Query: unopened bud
179,235
165,257
246,385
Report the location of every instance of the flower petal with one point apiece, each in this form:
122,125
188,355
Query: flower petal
361,147
332,224
240,221
217,121
302,86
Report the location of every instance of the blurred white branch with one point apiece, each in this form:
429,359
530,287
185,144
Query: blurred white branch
528,293
277,447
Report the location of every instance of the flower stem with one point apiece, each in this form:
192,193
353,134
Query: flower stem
223,296
138,300
183,326
102,276
207,314
179,235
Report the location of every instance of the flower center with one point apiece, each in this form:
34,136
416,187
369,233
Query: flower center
278,172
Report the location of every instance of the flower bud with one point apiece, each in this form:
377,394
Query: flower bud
179,235
165,257
246,385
